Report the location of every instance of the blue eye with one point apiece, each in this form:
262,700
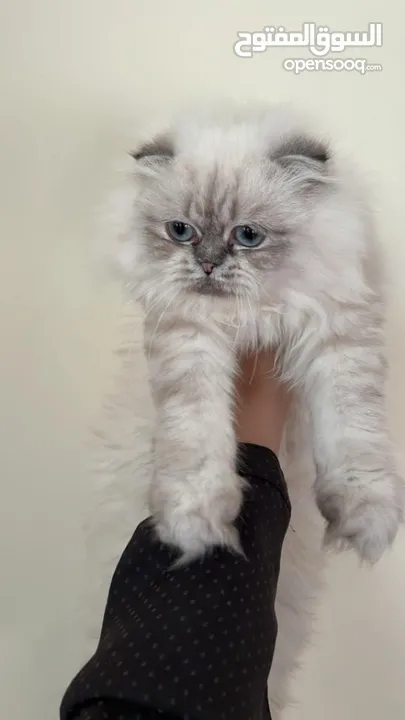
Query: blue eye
180,232
247,236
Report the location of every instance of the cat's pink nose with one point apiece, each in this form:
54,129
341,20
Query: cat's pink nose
207,267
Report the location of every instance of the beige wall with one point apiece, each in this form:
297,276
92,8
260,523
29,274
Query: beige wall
74,75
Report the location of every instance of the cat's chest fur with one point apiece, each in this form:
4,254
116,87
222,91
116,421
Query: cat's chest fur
244,326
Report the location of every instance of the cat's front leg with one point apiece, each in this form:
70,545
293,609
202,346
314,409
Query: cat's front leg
195,493
358,488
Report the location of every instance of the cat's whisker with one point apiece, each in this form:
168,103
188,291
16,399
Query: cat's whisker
253,315
175,294
237,320
157,301
144,293
254,368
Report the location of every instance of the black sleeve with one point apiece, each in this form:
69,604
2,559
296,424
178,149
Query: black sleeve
193,642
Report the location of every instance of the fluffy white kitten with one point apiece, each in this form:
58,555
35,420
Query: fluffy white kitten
244,232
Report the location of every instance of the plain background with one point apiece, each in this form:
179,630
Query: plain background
76,76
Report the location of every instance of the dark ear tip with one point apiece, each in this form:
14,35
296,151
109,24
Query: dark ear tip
323,155
161,148
135,154
304,146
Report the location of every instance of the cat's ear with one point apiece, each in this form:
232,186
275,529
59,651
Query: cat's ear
153,155
306,159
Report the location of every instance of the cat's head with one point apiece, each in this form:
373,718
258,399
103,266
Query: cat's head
225,208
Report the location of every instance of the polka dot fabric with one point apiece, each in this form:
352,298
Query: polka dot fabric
193,642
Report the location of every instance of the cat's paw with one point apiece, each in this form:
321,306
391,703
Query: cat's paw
193,517
363,512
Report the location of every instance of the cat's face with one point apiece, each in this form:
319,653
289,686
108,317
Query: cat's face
220,211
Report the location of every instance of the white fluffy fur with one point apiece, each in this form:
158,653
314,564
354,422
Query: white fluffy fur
321,306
